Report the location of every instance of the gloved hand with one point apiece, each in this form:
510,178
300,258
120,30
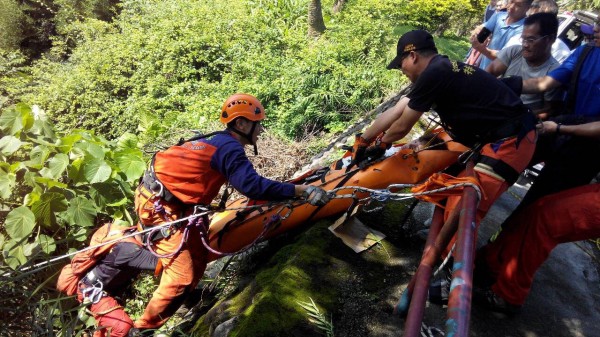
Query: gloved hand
358,150
378,148
315,196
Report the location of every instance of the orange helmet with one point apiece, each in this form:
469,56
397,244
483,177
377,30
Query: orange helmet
242,105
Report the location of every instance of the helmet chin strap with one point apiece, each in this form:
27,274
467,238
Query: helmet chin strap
248,135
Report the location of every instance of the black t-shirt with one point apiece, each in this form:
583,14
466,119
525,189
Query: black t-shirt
470,102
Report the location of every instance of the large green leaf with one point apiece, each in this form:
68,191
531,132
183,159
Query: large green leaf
42,125
127,141
131,163
104,194
79,234
49,182
46,208
92,149
14,254
30,198
31,249
65,144
96,170
11,121
9,144
7,183
26,115
38,156
57,165
19,223
82,212
2,239
47,243
44,128
75,171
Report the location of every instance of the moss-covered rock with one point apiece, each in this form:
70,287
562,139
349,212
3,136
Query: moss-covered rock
346,287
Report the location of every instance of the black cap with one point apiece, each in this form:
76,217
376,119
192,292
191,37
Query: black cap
414,40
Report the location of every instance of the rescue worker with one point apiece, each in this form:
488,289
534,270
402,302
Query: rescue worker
108,279
477,109
505,268
191,174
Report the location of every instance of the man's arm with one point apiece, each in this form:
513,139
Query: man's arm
492,54
496,68
590,130
386,119
539,84
402,126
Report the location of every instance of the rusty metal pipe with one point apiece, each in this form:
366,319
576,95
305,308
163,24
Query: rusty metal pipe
415,295
459,301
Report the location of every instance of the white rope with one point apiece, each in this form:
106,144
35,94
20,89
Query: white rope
381,195
384,194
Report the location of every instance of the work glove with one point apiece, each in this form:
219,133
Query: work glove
315,196
358,150
378,148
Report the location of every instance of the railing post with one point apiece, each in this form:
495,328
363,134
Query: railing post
459,302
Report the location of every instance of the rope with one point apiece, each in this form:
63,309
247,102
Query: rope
387,194
381,195
430,331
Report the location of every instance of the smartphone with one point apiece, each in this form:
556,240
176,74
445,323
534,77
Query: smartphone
483,34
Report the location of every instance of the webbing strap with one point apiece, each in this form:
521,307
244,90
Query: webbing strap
507,172
572,91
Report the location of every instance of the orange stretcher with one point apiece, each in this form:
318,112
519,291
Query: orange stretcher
232,231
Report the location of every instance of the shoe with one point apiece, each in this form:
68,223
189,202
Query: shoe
493,302
439,289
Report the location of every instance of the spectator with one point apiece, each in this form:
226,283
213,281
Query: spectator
532,59
568,160
510,262
560,50
502,26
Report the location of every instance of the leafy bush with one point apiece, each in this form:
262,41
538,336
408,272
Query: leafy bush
59,186
438,16
11,16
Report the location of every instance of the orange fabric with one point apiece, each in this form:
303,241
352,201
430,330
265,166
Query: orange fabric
492,187
185,171
82,262
440,180
180,273
528,239
111,318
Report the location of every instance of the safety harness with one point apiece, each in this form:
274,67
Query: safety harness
157,193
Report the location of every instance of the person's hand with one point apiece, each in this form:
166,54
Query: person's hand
315,196
474,33
547,127
378,148
358,150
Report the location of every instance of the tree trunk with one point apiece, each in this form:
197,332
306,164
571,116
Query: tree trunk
337,5
316,25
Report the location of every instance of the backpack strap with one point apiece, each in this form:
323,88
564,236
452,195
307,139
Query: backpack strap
572,91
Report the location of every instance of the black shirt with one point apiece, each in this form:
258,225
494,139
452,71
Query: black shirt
470,102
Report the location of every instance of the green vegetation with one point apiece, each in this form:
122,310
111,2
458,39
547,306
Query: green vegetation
151,63
85,85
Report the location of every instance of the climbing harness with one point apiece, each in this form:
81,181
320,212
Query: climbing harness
92,293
